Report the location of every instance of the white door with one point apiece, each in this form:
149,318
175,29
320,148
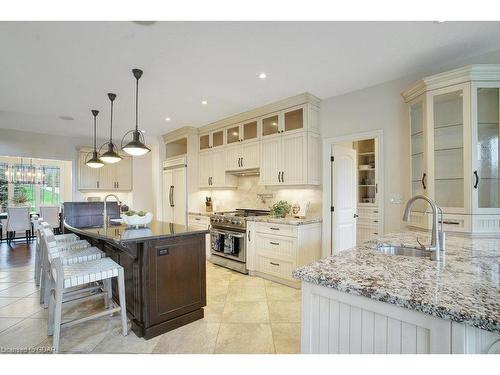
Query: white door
343,198
179,195
294,168
168,211
270,161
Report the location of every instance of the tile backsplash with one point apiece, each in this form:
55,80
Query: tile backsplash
245,196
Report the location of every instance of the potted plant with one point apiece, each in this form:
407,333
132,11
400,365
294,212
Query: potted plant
21,199
281,209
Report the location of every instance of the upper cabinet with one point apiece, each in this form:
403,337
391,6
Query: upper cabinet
454,153
212,139
294,119
111,177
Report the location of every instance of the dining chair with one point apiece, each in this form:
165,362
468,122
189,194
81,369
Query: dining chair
50,214
18,219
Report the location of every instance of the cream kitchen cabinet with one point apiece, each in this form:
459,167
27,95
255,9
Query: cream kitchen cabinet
243,156
454,131
111,177
291,120
212,139
290,159
275,250
212,172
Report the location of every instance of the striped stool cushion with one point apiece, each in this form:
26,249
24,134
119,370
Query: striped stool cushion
63,238
77,245
77,256
84,273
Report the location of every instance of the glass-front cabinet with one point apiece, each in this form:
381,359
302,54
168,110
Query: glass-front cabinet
454,151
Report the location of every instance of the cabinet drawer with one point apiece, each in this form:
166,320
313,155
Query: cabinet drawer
275,267
453,223
277,229
198,220
368,213
279,247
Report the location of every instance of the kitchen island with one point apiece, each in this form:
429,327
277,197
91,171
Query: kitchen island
164,266
363,301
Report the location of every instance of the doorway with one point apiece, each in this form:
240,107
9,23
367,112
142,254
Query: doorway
353,185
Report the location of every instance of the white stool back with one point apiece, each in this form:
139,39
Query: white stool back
50,214
18,218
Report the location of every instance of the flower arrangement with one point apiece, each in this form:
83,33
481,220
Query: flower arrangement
21,199
281,209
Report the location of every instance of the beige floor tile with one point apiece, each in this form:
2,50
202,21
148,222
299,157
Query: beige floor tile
245,312
26,334
84,337
4,301
16,277
244,338
4,286
278,292
284,311
246,280
217,293
213,311
286,337
19,290
246,293
22,308
8,322
115,342
195,338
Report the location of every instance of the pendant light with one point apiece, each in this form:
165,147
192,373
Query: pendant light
111,156
95,162
136,146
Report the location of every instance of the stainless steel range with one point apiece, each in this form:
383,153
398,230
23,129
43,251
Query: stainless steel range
228,238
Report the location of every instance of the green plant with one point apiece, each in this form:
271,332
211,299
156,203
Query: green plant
281,209
132,213
20,199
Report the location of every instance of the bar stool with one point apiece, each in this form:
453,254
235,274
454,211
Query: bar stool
69,253
39,224
76,275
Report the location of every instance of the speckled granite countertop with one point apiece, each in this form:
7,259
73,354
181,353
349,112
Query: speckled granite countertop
287,220
465,287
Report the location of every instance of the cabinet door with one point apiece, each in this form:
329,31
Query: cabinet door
250,155
88,178
294,150
218,172
270,157
204,169
449,122
168,182
123,174
233,157
179,195
293,119
250,130
485,150
233,134
107,180
218,138
204,141
271,124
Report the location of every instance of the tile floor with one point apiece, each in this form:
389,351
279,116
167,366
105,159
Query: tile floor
244,314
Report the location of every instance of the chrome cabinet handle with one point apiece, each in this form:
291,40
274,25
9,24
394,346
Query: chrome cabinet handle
248,234
274,264
242,161
274,243
476,182
423,181
274,228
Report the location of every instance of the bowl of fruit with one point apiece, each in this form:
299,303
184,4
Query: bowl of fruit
137,218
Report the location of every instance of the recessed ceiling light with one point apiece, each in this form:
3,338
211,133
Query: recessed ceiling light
167,119
67,118
262,75
143,131
204,102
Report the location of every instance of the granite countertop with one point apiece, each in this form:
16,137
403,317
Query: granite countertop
289,220
200,213
464,287
122,233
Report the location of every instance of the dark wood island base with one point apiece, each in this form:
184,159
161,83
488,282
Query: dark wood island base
165,272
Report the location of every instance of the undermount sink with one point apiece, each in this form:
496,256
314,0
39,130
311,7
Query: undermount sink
402,250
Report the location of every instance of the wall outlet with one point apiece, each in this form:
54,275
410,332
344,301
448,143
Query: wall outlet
396,199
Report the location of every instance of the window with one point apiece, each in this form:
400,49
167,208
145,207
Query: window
50,192
4,187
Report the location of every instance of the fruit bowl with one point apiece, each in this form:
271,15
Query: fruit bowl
137,219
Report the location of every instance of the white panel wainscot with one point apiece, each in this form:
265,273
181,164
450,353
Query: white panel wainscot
336,322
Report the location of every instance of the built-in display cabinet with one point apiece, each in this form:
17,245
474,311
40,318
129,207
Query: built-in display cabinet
281,141
111,177
454,153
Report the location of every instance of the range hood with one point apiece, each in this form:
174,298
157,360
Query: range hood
245,172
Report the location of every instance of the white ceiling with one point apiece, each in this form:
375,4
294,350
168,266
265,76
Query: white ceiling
52,69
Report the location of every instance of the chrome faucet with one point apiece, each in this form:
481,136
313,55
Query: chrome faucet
437,238
105,212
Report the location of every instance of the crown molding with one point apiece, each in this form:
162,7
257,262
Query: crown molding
477,72
176,134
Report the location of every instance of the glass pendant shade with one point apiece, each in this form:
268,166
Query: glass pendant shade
95,161
111,156
136,147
